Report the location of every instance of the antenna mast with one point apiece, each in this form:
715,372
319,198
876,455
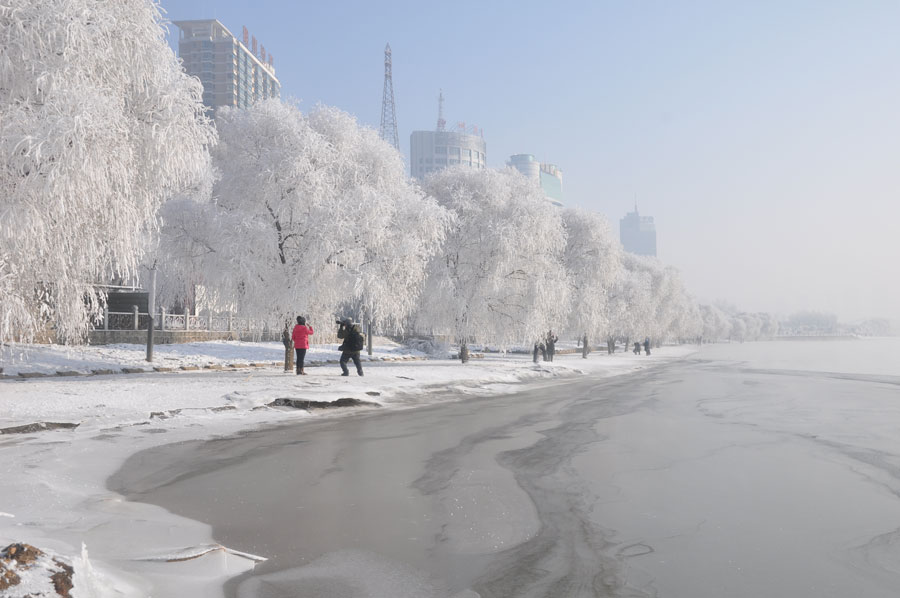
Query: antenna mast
441,122
388,109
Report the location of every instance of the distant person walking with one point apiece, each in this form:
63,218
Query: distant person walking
354,341
647,345
637,348
300,336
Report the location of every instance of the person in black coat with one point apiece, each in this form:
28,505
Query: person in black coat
551,345
354,341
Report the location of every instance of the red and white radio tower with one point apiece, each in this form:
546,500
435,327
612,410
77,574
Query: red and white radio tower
388,110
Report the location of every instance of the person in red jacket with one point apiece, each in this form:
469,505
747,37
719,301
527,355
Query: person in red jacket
300,336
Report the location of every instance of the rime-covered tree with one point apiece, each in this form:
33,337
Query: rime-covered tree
630,305
309,214
98,127
716,323
396,229
187,237
593,265
499,275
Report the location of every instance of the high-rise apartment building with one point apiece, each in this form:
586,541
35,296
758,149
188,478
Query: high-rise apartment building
233,72
551,183
528,165
433,150
638,233
547,176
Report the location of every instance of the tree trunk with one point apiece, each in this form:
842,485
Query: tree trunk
610,345
288,359
584,347
288,343
464,353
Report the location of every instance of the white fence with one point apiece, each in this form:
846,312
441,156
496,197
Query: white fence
136,320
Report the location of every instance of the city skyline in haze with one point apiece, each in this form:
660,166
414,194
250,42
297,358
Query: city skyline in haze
762,138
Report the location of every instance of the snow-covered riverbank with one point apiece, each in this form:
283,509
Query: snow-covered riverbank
53,493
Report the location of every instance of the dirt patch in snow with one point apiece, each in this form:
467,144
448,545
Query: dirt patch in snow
21,561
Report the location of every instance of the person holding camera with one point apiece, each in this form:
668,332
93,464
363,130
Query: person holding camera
300,336
550,341
353,343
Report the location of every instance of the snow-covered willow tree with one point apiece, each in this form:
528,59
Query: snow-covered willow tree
309,214
499,275
395,228
188,226
630,304
98,126
593,264
716,323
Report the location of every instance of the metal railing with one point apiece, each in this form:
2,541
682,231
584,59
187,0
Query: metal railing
135,320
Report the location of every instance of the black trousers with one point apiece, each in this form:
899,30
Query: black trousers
301,355
347,356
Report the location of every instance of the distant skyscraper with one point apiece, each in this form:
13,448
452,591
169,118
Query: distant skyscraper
430,151
551,183
433,150
527,165
548,176
638,233
233,72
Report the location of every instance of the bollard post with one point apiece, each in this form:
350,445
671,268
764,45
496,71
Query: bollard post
150,327
136,316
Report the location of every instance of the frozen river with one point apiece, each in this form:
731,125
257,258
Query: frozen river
763,469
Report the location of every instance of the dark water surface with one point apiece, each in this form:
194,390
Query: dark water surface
706,478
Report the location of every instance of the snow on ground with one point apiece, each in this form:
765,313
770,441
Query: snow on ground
84,359
52,482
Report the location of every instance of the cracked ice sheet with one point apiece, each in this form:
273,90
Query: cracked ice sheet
53,492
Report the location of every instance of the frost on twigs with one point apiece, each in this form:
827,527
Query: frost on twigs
311,213
593,261
98,127
26,571
500,273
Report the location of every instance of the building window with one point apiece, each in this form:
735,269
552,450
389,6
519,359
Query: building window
454,151
440,150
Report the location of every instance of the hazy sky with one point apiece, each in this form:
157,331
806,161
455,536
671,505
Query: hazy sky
762,136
